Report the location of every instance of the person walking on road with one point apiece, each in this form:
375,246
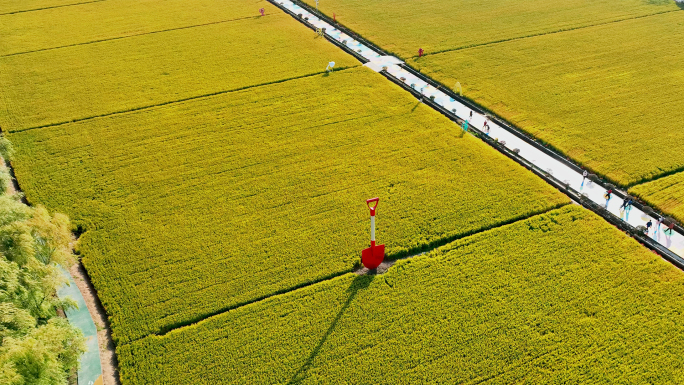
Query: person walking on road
607,196
658,223
584,176
625,203
648,226
670,228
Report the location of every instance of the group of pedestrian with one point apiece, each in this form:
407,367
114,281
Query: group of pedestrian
627,203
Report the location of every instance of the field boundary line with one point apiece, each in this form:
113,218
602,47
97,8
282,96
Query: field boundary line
674,171
133,35
147,107
494,42
52,7
354,270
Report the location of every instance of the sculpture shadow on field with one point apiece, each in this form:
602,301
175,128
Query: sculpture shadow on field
360,282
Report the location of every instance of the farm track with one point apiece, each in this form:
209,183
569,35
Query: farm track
197,97
52,7
134,35
543,34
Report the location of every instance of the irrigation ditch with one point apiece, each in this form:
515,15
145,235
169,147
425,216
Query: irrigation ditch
81,289
308,17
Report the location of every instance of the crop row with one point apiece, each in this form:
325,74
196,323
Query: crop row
62,85
665,193
561,297
435,26
95,21
10,6
607,96
199,206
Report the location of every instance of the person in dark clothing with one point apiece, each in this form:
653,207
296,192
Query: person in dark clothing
625,203
648,226
670,228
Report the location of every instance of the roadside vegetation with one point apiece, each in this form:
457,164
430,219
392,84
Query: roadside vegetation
36,345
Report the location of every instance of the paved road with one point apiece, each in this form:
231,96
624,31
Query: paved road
561,171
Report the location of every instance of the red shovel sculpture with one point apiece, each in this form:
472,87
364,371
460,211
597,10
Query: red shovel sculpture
372,257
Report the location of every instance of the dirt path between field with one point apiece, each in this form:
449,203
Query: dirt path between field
110,372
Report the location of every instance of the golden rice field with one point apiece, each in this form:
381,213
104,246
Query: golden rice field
402,27
77,82
13,6
111,19
666,193
599,81
558,298
607,96
195,207
219,177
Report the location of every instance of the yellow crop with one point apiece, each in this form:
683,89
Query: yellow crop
192,208
666,193
12,6
65,84
442,25
559,298
607,96
94,21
